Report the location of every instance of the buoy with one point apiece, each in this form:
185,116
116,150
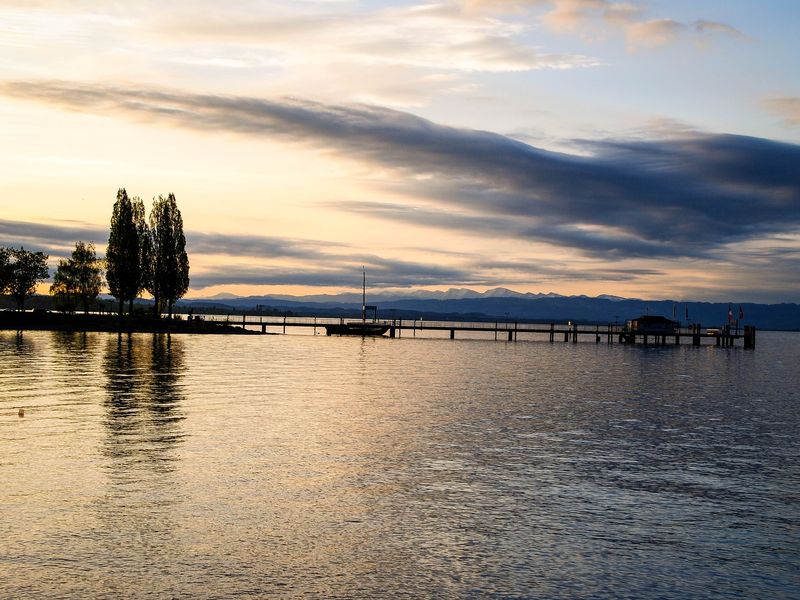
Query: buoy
21,412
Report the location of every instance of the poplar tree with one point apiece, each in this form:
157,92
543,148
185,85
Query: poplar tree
143,244
168,279
78,278
125,251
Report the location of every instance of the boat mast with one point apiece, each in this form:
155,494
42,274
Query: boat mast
364,296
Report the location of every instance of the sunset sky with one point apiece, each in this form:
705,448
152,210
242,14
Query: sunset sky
645,149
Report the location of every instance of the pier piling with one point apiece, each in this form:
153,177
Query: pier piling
749,337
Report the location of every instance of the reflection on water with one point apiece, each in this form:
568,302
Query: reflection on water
143,423
150,466
143,407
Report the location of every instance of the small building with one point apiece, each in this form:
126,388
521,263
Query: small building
652,324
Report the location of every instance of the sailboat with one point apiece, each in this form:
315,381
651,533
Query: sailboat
362,327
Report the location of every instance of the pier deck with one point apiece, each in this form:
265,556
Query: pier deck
510,331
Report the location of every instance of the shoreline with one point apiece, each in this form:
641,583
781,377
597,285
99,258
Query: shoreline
47,321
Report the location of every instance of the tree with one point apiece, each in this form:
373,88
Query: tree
78,278
124,254
143,239
5,269
168,279
63,286
26,269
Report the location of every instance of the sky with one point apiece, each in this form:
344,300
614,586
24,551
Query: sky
644,149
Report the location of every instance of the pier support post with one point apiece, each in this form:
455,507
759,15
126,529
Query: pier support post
452,334
552,331
696,334
575,333
510,336
392,330
263,328
749,337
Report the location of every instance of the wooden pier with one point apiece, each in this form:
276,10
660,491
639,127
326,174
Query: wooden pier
510,331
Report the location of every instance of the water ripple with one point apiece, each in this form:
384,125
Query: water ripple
184,467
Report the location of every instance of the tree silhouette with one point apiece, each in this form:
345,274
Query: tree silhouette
125,272
168,278
143,239
26,269
5,269
78,278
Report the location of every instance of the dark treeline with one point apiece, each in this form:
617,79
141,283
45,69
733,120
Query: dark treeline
141,256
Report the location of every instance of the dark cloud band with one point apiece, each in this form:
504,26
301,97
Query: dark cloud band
691,194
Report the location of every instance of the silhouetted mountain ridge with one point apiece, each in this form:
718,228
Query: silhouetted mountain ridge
501,304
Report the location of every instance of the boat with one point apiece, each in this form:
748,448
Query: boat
357,328
363,327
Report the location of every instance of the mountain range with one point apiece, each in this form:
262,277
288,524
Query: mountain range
505,304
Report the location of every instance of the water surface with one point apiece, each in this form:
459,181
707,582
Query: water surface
215,466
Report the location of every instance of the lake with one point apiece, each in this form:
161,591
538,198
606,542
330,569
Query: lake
148,466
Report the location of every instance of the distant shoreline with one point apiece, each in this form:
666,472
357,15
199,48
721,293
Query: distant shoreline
47,321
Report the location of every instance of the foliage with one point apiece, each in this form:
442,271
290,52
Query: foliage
25,269
125,252
168,278
5,269
78,278
143,239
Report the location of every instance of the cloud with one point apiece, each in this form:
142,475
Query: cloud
313,262
432,37
399,54
56,240
600,244
597,16
653,33
628,198
342,270
59,237
786,107
257,246
427,36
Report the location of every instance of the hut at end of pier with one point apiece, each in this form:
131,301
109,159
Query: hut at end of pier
651,325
